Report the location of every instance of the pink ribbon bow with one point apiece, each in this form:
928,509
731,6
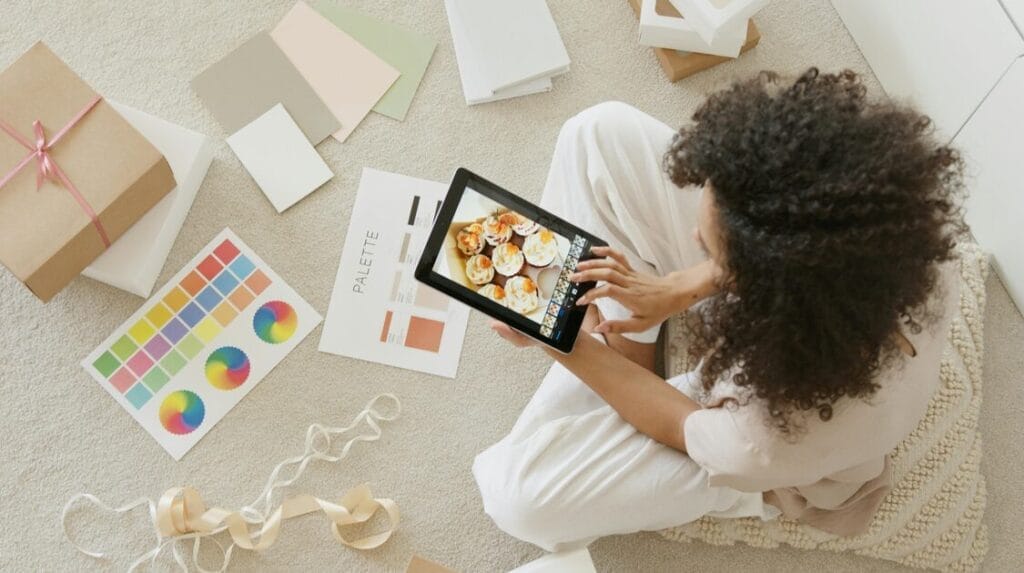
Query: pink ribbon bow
48,168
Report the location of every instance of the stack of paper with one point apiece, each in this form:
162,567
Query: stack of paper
319,72
505,48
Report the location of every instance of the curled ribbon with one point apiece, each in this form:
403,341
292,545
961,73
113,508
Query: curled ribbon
181,514
48,168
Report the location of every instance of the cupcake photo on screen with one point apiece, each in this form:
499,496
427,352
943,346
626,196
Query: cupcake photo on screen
471,239
523,295
508,259
540,248
503,256
479,269
493,292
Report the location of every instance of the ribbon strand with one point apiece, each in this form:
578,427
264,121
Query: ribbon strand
180,514
48,168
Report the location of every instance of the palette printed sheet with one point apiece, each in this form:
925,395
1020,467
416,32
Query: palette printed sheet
378,311
201,343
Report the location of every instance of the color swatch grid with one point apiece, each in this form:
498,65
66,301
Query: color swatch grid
181,362
175,329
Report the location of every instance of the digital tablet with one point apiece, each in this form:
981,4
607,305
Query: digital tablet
509,259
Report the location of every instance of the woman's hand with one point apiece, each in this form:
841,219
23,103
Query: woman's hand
508,333
651,298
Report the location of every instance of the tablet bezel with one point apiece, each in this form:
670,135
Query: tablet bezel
435,243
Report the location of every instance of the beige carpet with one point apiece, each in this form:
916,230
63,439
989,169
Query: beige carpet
63,434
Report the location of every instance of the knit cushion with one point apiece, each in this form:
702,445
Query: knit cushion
932,517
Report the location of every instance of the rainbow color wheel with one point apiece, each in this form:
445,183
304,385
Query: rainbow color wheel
227,368
182,412
275,322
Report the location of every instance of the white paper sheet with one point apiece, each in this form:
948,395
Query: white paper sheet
515,41
378,311
474,82
166,365
279,158
133,263
576,561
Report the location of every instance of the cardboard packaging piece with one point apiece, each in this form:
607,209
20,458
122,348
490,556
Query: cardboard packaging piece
711,18
662,27
678,65
47,236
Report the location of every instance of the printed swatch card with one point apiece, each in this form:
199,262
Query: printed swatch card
378,311
201,343
252,79
407,51
280,160
349,78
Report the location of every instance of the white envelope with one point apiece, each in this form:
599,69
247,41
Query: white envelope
133,263
660,31
714,18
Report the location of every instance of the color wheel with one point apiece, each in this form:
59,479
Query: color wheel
182,412
227,368
275,322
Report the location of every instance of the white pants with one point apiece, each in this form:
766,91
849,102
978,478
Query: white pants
571,470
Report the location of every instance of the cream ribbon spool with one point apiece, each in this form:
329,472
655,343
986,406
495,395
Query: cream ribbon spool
181,514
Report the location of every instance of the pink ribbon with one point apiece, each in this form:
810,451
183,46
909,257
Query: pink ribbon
48,168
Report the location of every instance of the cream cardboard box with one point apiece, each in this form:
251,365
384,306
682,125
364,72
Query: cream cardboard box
662,27
713,19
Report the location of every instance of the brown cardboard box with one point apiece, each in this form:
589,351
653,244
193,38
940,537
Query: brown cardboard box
678,65
46,237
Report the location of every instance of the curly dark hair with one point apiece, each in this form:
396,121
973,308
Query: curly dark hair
834,211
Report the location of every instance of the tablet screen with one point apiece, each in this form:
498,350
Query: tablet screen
492,247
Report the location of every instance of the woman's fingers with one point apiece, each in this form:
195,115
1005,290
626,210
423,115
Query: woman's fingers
615,255
602,291
605,274
505,331
591,264
619,326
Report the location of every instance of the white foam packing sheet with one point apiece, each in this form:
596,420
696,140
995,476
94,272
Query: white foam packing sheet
515,41
133,263
474,81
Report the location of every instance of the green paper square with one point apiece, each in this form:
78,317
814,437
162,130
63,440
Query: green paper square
405,50
189,346
124,348
173,362
155,379
106,364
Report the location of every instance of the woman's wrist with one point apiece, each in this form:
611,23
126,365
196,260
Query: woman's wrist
694,284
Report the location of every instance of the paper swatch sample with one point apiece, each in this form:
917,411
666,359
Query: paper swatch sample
516,41
255,77
283,163
406,51
349,78
378,311
575,561
133,263
475,85
201,343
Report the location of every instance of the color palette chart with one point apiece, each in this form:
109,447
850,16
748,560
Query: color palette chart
201,343
378,311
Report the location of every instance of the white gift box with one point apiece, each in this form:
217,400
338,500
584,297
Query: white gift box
133,263
660,31
714,18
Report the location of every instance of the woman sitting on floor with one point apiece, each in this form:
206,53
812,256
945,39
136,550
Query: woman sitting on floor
823,231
